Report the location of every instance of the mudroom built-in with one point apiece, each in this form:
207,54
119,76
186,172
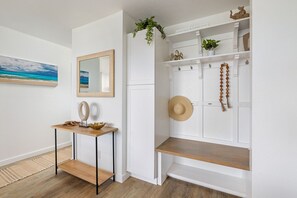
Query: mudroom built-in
189,117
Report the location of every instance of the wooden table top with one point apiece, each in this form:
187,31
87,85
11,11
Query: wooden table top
86,131
235,157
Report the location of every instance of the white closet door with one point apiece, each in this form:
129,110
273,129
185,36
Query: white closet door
141,62
141,151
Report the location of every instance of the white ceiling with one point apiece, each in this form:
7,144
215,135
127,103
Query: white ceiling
53,20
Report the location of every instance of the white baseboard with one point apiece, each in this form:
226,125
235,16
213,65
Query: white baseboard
32,154
152,181
122,178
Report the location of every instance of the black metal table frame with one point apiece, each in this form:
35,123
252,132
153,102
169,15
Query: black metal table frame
96,156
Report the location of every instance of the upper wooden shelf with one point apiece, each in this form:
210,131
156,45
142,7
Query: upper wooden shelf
208,59
85,131
209,30
214,153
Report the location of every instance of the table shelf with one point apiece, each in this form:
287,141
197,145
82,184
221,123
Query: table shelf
85,171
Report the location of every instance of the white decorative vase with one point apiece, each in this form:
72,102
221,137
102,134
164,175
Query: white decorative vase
211,52
84,115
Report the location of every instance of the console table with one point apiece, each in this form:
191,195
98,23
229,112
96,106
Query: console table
79,169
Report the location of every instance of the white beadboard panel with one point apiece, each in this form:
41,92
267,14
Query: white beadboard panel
217,124
189,127
140,126
189,49
186,82
140,71
211,82
244,125
244,83
186,43
225,45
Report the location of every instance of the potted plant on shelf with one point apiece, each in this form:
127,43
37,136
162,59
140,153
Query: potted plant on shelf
210,45
149,24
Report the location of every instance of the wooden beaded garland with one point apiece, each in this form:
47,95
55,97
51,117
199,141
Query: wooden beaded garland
222,86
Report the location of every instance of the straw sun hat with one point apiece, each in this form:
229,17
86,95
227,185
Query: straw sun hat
180,108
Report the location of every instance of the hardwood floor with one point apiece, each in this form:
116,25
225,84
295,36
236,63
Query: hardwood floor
47,184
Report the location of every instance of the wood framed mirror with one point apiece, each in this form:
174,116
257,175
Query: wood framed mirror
95,75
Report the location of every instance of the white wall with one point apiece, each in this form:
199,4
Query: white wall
274,132
26,111
104,34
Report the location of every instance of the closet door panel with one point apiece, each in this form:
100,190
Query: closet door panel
218,124
244,125
211,79
189,128
186,82
141,62
141,150
244,83
211,82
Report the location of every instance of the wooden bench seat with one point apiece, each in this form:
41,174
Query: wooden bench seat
214,153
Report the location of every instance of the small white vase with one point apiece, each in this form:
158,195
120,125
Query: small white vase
211,52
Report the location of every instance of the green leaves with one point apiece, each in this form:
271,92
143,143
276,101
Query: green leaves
149,24
210,44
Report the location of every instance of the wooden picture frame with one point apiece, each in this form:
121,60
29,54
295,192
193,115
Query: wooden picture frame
96,57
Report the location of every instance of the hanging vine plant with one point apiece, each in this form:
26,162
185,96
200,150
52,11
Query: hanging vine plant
149,24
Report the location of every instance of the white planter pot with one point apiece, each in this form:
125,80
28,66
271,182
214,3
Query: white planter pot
211,52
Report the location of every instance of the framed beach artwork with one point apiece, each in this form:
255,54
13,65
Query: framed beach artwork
14,70
84,79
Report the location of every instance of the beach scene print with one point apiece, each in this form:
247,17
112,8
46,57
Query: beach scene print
13,70
84,79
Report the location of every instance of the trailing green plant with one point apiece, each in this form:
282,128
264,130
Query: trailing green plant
210,44
149,24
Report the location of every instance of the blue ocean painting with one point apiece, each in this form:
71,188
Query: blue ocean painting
84,79
27,72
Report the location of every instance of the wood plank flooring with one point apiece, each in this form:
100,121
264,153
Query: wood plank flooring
47,184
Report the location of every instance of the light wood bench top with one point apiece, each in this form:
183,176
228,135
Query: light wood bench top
214,153
85,131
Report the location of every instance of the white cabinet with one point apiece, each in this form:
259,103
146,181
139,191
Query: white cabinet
141,61
141,137
147,104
